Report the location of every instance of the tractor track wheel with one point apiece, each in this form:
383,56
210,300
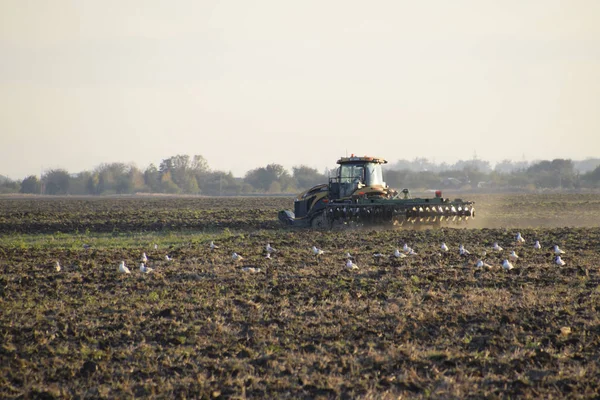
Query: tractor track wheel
320,222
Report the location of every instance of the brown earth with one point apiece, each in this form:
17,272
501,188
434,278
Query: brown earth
430,325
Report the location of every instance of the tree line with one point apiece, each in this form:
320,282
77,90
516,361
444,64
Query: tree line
182,174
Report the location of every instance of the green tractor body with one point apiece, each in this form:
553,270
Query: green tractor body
359,196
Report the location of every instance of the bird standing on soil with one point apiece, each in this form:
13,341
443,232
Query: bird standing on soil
268,256
251,269
559,261
168,257
497,247
213,246
462,251
351,265
557,250
236,257
348,256
507,265
123,269
519,239
155,246
57,266
481,264
444,247
513,256
144,258
317,252
537,245
144,269
270,249
397,254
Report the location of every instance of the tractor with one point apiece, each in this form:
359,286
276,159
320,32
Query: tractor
358,196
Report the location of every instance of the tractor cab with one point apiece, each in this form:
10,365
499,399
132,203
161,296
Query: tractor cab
356,173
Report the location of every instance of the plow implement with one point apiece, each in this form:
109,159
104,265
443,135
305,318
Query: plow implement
410,213
399,214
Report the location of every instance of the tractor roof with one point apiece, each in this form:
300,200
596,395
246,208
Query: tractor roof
355,159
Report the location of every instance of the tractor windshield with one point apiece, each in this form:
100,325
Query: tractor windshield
369,174
352,173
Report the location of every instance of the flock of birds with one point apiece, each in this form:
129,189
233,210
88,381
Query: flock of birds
513,256
407,251
123,269
350,264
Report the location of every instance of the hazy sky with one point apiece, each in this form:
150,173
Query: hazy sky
246,83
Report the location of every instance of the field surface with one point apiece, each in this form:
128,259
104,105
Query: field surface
295,326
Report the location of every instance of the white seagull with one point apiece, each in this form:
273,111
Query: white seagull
397,254
57,266
213,245
316,251
462,251
251,269
513,256
155,246
537,245
144,258
268,256
557,250
444,247
519,238
348,256
168,258
270,249
236,257
144,269
507,265
481,264
497,247
351,265
123,269
406,249
559,261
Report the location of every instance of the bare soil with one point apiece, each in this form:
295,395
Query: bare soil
430,325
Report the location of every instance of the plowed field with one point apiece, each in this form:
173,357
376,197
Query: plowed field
204,326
